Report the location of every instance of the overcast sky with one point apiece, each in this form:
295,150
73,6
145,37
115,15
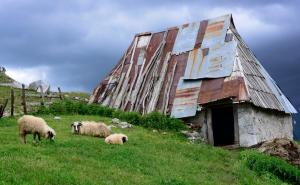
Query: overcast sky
75,43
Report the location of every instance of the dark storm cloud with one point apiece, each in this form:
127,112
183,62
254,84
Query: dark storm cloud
80,41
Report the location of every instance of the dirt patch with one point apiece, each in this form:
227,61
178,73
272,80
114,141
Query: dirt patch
283,148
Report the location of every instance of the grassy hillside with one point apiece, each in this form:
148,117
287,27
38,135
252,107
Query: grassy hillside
5,79
148,158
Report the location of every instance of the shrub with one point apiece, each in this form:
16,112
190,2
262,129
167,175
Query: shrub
262,163
131,117
159,121
153,120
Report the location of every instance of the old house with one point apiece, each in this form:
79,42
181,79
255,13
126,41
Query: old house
203,73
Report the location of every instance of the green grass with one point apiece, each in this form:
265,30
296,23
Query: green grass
147,158
5,79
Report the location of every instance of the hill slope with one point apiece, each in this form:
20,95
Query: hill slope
5,79
148,158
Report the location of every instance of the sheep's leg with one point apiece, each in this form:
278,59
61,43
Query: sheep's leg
39,136
22,138
36,134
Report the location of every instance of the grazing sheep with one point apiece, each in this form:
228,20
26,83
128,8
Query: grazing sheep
36,126
116,139
90,128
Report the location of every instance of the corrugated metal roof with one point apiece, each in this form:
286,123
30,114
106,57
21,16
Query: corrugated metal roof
189,65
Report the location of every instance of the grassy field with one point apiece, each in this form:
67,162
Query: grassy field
148,158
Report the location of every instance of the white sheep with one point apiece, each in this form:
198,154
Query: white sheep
36,126
116,139
90,128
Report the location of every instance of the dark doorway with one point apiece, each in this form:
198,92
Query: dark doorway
223,125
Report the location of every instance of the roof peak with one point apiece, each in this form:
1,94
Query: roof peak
221,17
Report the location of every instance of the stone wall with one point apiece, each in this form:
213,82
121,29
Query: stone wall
257,125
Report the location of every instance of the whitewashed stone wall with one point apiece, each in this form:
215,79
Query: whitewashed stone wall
257,125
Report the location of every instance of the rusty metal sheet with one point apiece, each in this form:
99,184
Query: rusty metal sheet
186,38
185,102
218,63
201,33
216,89
170,40
216,31
155,41
181,61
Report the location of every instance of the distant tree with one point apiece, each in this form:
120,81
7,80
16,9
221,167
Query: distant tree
2,69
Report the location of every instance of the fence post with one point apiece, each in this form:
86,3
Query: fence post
42,95
12,101
2,108
24,99
60,94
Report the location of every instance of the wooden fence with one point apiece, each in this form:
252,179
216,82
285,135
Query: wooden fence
42,97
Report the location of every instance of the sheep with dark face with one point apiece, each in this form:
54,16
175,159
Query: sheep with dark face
90,128
116,139
36,126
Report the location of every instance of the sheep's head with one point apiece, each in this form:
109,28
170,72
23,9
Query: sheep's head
124,139
76,127
50,134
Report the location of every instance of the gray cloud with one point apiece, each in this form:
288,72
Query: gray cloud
80,41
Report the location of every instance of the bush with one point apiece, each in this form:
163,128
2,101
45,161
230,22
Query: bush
159,121
262,163
153,120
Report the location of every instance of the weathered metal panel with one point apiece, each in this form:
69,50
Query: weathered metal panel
154,43
201,33
170,40
217,89
288,107
186,38
262,88
218,63
216,31
181,61
185,102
